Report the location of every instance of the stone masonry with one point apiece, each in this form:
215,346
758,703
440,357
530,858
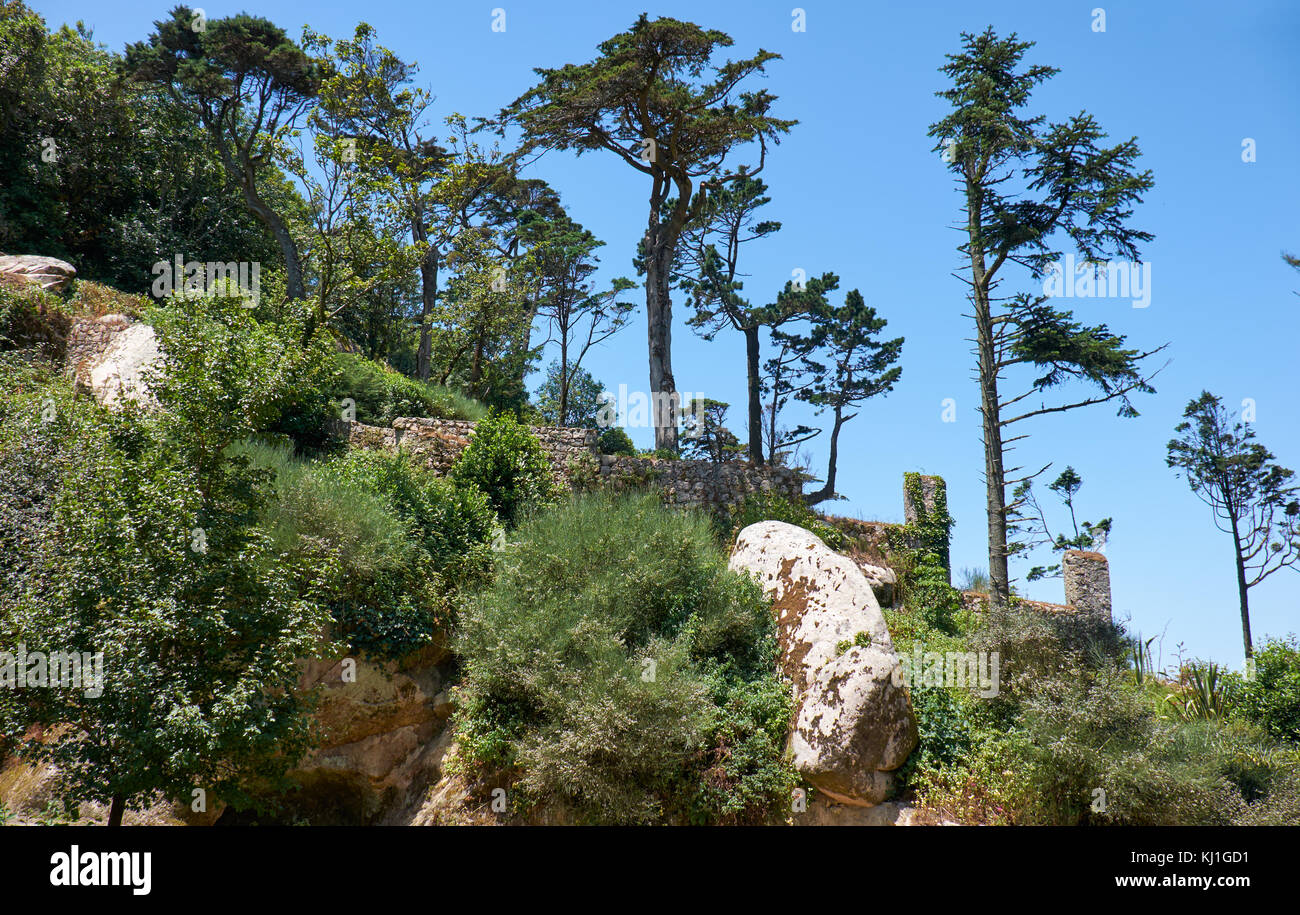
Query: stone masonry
1087,582
577,463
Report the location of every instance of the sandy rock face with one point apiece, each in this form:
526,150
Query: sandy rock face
379,735
47,272
853,725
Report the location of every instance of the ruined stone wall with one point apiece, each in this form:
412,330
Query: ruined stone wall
437,443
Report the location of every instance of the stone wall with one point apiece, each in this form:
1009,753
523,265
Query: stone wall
1087,582
699,484
437,443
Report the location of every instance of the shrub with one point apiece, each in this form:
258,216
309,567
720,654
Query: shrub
382,395
773,506
618,669
507,463
454,523
616,441
1271,699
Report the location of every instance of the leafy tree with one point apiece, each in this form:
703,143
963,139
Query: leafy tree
1251,496
1024,183
249,85
102,172
646,99
367,88
843,363
1033,522
571,401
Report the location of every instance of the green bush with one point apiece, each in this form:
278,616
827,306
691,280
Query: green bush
351,553
1271,699
615,441
773,506
453,522
619,671
506,462
382,395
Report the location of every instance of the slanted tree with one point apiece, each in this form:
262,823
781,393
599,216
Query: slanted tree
728,217
1031,522
784,377
577,315
249,85
1027,184
1250,495
706,434
647,99
842,362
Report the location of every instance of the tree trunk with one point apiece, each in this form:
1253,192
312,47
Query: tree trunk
994,472
294,287
428,299
659,332
755,399
828,488
115,811
1243,592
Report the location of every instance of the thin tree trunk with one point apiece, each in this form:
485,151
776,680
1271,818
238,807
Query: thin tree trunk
116,810
828,488
1243,592
428,299
755,398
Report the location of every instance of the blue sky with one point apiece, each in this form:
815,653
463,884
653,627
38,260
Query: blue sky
860,194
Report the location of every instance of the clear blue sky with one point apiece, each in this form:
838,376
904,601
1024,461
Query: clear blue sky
860,194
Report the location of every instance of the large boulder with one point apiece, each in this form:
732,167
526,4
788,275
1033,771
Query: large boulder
853,725
119,373
47,272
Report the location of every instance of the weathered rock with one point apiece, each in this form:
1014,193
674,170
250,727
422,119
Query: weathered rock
88,340
853,724
378,742
47,272
882,581
118,374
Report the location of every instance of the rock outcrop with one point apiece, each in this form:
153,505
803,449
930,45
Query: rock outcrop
380,742
47,272
118,372
853,725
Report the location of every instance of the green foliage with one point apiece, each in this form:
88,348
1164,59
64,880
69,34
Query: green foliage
1202,693
1271,698
614,440
382,395
507,463
454,523
1031,521
153,558
384,545
580,397
271,378
130,177
619,670
773,506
